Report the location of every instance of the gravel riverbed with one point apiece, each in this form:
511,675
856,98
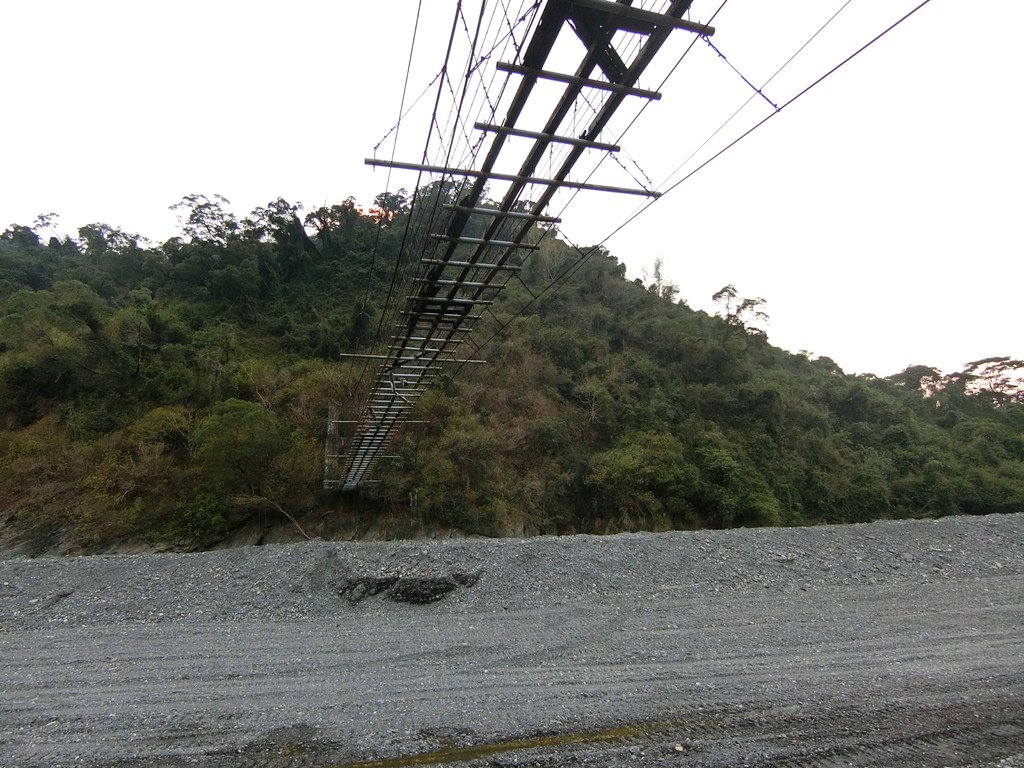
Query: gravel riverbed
891,643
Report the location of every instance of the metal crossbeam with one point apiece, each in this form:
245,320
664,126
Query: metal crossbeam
460,283
554,138
582,82
503,214
445,170
484,241
473,264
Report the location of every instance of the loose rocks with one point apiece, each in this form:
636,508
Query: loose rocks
892,643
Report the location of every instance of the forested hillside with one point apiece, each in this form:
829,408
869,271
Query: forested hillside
175,392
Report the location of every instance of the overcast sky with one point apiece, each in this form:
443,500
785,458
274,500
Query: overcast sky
879,215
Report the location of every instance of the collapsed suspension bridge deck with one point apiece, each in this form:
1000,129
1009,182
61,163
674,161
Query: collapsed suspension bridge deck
462,274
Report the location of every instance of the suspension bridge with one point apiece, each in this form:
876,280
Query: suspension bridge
463,274
474,244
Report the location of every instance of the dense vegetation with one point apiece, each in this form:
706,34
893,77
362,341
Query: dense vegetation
176,391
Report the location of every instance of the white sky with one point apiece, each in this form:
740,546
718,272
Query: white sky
878,215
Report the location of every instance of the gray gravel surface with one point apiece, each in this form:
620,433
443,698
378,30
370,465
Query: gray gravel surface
895,643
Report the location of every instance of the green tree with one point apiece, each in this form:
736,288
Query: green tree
236,447
645,479
388,205
739,313
660,286
206,220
